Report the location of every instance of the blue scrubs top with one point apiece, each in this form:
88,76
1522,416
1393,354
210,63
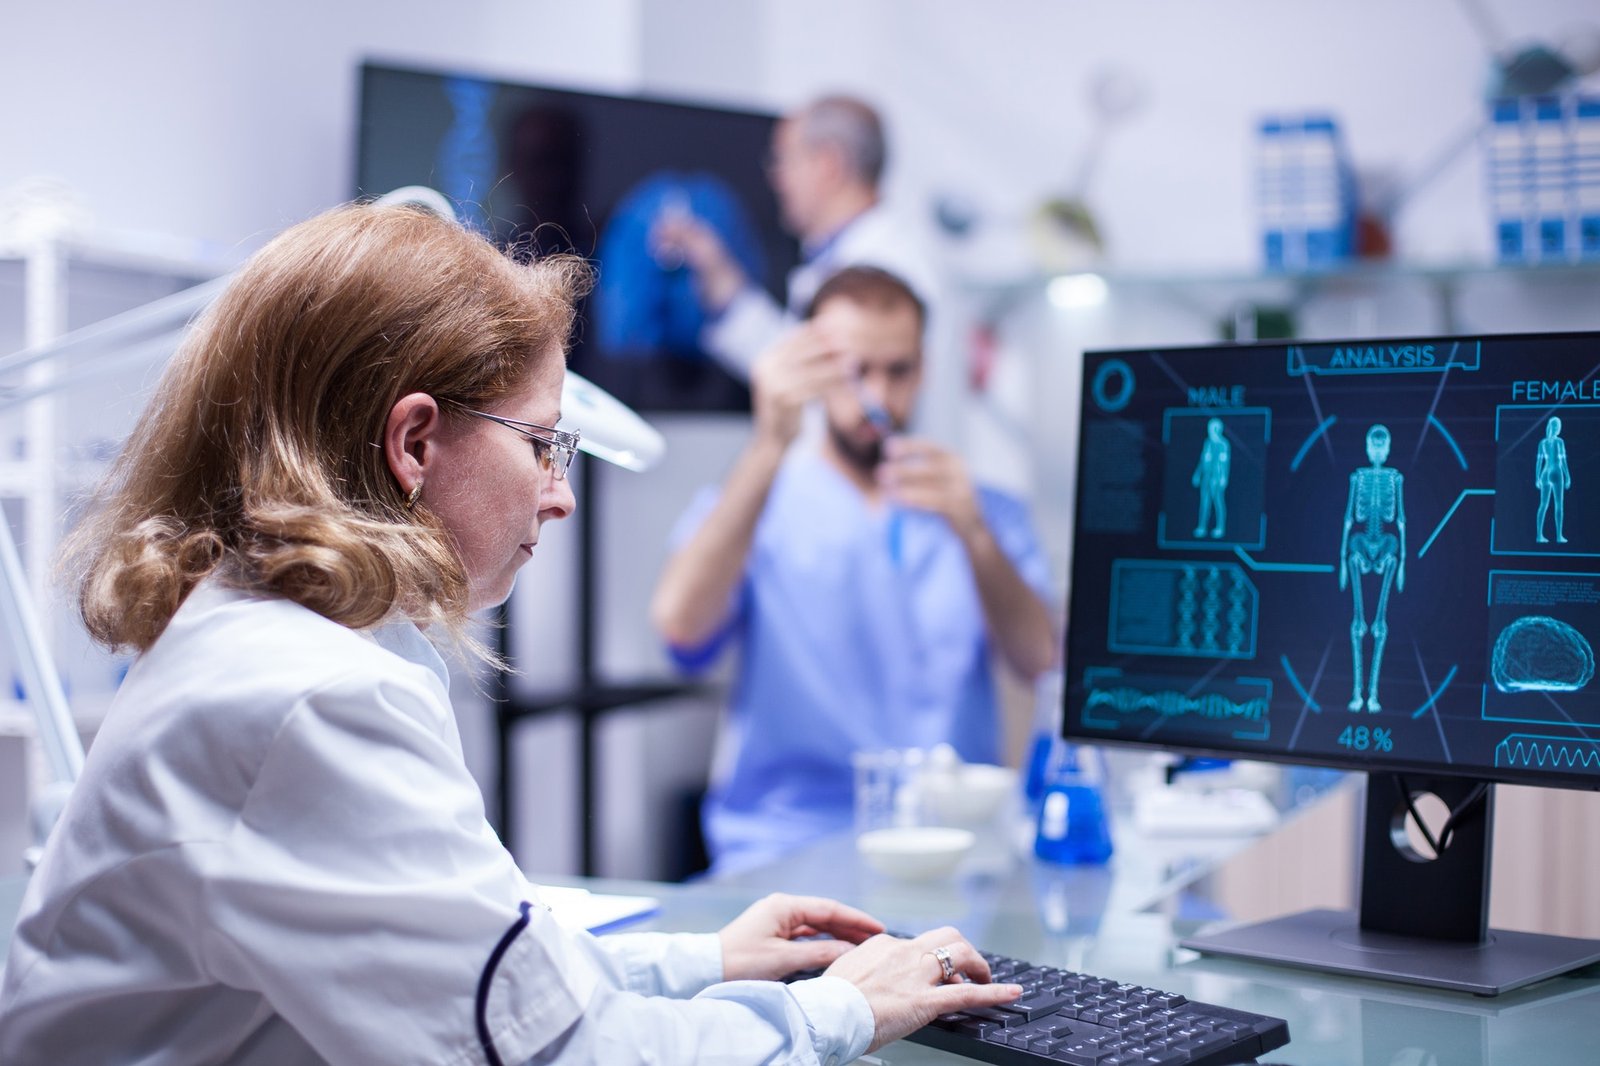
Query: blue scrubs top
855,636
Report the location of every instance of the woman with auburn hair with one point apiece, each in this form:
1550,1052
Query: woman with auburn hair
276,853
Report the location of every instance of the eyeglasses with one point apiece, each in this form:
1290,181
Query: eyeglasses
554,448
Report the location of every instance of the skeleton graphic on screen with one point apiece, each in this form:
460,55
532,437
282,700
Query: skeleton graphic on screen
1551,475
1211,478
1377,502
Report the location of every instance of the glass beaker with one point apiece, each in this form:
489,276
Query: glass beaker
886,788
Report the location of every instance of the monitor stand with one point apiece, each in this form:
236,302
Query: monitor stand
1421,922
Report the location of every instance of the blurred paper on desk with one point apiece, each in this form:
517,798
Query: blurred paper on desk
578,908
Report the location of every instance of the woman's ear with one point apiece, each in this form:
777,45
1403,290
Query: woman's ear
410,439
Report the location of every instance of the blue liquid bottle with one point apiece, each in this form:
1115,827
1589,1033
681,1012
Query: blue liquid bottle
1072,824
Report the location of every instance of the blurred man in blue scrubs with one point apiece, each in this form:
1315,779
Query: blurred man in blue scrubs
866,578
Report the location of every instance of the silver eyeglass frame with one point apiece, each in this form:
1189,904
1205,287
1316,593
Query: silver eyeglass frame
560,447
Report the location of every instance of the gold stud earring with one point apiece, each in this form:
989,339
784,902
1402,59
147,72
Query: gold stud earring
413,495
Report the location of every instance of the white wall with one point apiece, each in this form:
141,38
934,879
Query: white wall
223,123
991,100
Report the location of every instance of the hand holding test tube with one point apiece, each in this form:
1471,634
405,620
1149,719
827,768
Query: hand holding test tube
884,424
920,475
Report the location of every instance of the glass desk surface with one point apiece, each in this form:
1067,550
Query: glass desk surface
1123,921
1115,921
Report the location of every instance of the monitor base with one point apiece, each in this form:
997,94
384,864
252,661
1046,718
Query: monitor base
1333,941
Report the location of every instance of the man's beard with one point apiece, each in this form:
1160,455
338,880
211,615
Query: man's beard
864,457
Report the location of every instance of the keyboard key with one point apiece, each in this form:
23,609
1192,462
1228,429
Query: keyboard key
1170,1057
1034,1006
1208,1040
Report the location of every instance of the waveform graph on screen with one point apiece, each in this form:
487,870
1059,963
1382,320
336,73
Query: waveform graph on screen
1144,705
1527,752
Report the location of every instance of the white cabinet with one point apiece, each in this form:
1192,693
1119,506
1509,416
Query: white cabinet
60,419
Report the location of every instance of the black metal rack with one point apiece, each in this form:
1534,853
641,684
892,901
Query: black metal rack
590,698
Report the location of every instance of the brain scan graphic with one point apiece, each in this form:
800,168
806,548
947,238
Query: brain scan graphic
1540,654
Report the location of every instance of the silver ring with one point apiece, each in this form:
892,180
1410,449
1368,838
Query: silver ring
946,967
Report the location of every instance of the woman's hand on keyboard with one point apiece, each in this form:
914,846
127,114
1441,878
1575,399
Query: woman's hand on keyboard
904,980
766,941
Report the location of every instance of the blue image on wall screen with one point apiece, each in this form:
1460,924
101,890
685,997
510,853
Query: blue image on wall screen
543,170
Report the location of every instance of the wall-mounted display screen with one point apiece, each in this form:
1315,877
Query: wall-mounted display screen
543,170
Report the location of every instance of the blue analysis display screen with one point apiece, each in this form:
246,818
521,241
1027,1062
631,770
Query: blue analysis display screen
1372,554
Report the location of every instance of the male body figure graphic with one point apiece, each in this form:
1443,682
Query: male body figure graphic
1211,478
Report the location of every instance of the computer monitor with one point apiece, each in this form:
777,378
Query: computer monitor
1375,555
546,170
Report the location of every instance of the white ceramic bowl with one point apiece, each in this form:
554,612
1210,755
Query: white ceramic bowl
967,794
915,853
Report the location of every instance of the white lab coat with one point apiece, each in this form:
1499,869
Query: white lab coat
753,321
277,856
878,237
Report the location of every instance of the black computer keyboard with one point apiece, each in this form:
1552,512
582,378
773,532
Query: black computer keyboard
1066,1017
